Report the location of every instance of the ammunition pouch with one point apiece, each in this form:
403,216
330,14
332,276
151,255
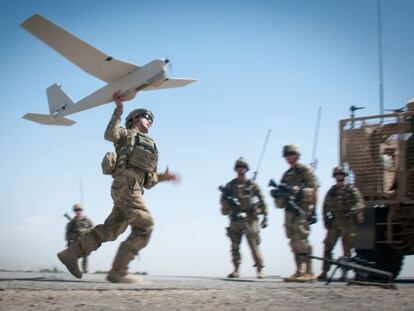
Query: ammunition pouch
307,196
108,163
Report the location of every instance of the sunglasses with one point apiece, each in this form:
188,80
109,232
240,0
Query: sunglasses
289,154
146,116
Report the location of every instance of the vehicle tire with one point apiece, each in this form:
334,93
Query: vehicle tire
382,258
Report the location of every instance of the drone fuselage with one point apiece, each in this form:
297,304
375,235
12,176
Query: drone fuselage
151,74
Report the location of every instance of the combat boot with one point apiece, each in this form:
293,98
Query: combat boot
260,273
235,273
298,272
323,276
119,272
69,257
309,271
304,278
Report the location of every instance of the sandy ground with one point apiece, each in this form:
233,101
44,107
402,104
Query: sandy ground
34,291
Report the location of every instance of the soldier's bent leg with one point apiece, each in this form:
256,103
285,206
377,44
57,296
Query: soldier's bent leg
142,226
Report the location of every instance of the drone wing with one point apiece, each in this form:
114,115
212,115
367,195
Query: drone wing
47,119
170,83
76,50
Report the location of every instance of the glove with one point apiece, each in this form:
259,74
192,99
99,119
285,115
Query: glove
264,222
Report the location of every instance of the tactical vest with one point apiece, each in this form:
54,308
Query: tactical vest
341,200
136,150
143,153
243,192
78,226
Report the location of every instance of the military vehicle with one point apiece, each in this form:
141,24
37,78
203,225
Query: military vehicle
379,153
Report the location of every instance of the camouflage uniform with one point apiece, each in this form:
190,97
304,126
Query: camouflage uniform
297,226
135,169
341,207
245,191
74,229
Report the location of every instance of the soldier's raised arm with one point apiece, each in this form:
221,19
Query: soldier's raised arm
113,131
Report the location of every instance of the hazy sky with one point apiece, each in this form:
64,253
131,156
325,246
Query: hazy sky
260,65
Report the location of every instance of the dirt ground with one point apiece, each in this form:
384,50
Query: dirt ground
31,291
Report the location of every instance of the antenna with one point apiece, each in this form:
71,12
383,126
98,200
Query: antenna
261,154
81,191
314,162
380,59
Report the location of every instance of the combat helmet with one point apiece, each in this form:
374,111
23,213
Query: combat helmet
339,170
77,207
137,113
290,149
241,162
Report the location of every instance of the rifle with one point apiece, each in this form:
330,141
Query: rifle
360,267
235,205
66,215
284,191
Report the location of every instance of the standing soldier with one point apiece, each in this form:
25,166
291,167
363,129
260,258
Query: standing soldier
342,210
302,181
243,216
76,227
134,168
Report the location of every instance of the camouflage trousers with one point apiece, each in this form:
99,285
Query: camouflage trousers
129,210
345,229
85,261
235,232
297,231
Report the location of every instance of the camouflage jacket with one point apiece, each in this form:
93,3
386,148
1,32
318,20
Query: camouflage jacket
249,195
303,177
121,139
300,175
343,202
77,227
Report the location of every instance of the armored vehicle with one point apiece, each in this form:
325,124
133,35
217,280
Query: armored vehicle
379,153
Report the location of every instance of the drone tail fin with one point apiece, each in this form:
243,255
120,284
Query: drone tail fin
58,100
